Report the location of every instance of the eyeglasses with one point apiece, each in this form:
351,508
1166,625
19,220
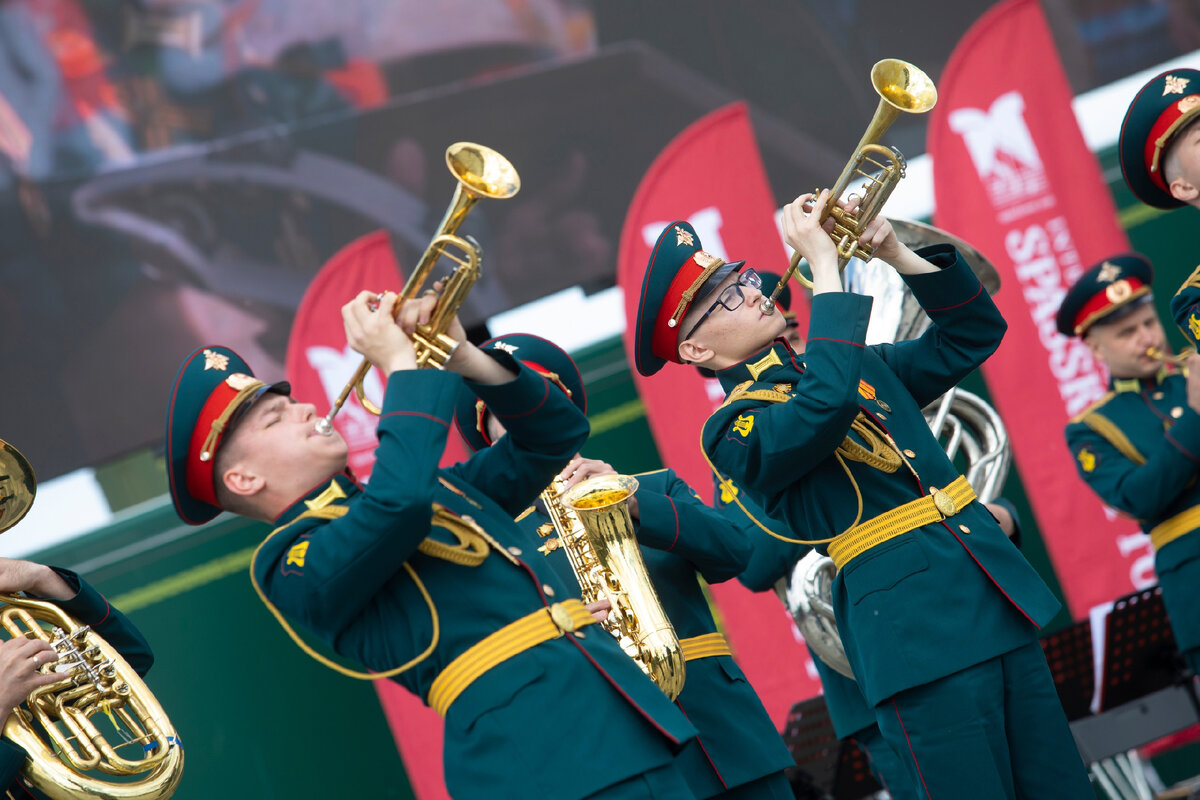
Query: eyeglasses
731,297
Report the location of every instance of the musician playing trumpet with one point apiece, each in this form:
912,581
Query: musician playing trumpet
937,609
422,576
1138,446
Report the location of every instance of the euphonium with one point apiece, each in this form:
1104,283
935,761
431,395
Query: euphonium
902,87
594,527
480,172
98,732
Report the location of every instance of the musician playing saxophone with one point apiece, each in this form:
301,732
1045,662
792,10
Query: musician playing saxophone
423,576
1137,447
22,659
937,610
738,753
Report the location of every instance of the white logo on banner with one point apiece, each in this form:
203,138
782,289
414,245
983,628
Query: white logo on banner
1005,155
335,367
706,221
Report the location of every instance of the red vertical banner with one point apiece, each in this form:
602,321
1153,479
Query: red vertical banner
712,175
319,363
1013,176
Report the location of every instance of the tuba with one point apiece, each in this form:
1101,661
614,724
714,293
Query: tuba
98,732
593,525
902,88
480,172
966,426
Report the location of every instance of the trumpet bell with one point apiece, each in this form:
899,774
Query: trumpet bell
903,86
482,171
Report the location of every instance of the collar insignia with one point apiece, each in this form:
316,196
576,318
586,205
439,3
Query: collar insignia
756,369
1174,85
215,360
1109,272
683,237
331,493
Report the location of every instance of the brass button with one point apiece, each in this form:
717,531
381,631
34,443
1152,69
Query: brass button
548,589
580,635
1157,395
516,551
964,529
882,416
910,454
1177,412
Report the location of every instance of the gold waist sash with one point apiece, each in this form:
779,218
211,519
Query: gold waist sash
1171,529
939,505
706,646
515,638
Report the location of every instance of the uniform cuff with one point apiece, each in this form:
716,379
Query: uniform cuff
658,521
839,317
422,392
88,605
523,395
954,284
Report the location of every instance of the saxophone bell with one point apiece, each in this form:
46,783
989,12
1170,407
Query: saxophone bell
594,527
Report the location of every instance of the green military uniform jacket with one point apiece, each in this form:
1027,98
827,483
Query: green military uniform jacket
932,601
90,608
679,537
575,706
1138,447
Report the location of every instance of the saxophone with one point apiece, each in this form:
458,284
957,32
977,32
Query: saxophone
594,527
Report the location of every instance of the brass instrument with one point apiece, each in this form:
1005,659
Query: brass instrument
594,527
98,732
1178,359
480,172
902,87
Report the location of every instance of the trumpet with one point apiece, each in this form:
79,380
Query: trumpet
902,87
480,172
1178,359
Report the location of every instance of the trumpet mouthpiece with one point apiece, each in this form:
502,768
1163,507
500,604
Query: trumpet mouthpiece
767,307
324,426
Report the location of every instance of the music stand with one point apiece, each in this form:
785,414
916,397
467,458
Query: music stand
854,779
1144,694
814,746
1069,655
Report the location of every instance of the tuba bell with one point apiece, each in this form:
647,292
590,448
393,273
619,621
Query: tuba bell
902,88
480,172
963,423
98,732
594,527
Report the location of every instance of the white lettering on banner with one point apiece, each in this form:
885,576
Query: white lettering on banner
1141,571
356,425
706,221
1042,255
1004,155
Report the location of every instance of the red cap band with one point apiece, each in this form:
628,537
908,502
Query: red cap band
1115,294
665,343
1161,132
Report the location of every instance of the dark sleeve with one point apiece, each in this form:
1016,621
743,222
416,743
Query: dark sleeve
93,609
12,758
544,431
1185,308
1143,491
677,521
967,327
350,558
1016,518
770,558
768,446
